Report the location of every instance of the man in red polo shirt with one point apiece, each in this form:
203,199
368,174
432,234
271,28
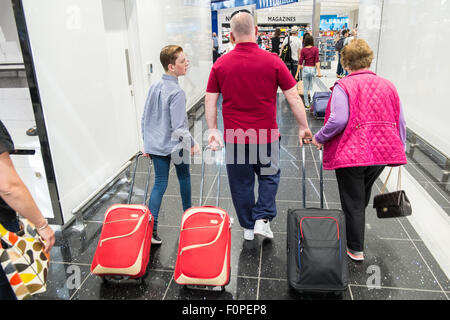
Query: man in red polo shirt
248,79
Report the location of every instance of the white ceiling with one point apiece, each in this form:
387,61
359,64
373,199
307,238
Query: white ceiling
305,7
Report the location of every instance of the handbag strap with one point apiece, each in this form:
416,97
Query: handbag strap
399,179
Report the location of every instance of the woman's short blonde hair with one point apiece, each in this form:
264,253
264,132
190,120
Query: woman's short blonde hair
356,55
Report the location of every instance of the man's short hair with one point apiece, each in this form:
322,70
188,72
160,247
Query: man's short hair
241,25
169,55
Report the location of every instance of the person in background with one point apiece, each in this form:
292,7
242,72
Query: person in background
229,45
15,197
339,45
248,79
296,46
364,131
308,64
275,40
165,131
215,42
352,36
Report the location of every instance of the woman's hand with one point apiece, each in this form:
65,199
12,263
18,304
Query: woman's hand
316,143
48,238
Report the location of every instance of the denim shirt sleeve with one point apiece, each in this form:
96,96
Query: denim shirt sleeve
338,117
178,119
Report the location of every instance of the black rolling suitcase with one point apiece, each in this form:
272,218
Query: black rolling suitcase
316,245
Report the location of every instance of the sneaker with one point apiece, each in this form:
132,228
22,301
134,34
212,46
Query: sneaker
262,227
355,255
248,234
155,238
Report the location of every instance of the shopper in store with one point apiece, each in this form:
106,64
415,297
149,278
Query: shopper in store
309,66
275,40
215,43
15,197
296,45
165,131
338,47
353,34
364,131
229,45
248,79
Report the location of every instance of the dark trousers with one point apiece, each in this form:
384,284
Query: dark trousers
355,186
340,70
6,293
292,66
243,162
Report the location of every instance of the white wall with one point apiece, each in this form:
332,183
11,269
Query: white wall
91,133
92,114
9,41
413,54
161,23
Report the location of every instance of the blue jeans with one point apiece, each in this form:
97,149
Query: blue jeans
309,74
241,168
340,70
6,293
161,166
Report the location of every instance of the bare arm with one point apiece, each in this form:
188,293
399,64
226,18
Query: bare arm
298,109
318,69
211,119
18,197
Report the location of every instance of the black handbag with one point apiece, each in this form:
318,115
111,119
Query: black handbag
392,204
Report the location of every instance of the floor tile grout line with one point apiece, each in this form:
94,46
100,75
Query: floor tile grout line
71,263
426,263
167,289
351,293
259,270
420,254
395,288
81,285
350,284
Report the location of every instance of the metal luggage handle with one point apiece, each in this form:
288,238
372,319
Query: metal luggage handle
304,176
130,192
203,175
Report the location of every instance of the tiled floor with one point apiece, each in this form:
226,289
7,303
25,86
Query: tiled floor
397,265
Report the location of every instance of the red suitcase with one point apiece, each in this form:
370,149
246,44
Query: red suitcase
123,250
204,245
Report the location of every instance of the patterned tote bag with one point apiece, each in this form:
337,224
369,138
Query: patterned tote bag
24,262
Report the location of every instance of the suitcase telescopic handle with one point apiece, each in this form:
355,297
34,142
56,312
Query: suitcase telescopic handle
203,175
147,183
304,176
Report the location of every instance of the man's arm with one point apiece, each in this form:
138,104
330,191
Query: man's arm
214,139
298,109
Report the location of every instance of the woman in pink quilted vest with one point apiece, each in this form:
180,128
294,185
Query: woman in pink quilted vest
364,131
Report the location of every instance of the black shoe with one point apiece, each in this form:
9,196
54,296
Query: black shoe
155,238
